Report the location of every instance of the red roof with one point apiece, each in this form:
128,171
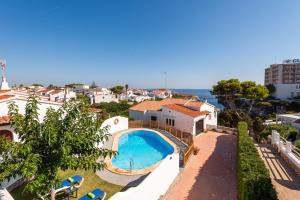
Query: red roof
4,91
4,119
187,111
5,96
156,105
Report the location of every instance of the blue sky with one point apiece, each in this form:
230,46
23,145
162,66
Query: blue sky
134,41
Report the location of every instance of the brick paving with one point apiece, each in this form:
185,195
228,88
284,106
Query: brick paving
284,178
210,175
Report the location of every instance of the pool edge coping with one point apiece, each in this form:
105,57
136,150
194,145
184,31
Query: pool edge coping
115,144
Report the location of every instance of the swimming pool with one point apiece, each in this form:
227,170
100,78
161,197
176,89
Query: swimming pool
140,149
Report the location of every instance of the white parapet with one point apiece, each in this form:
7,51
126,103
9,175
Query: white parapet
5,195
156,184
288,147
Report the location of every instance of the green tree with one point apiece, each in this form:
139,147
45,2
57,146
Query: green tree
126,89
65,139
84,98
256,93
93,86
117,89
271,88
230,91
283,129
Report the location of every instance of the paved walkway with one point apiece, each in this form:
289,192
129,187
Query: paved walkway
210,175
284,179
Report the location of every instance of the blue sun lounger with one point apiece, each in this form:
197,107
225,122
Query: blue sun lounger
94,195
71,181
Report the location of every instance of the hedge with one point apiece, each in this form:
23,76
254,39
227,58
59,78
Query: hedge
253,177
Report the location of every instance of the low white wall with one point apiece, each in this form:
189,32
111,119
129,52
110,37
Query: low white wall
116,124
156,184
122,124
286,149
5,195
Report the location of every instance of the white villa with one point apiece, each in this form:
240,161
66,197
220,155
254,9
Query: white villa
291,119
101,95
186,115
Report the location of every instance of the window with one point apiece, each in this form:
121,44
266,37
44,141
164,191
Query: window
167,121
153,118
173,122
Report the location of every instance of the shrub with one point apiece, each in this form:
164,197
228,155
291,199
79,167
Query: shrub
297,144
253,178
292,136
283,129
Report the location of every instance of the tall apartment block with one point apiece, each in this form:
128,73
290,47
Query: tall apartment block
285,77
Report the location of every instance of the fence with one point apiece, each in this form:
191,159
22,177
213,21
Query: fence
185,137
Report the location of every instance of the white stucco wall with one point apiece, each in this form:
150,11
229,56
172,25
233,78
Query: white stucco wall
284,91
114,127
104,98
137,115
156,184
9,128
116,124
21,103
182,122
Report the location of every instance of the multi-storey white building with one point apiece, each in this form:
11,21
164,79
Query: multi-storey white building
285,77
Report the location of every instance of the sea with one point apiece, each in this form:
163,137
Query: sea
203,94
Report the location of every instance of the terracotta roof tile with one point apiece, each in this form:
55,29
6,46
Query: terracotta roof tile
94,110
156,105
5,96
187,111
4,119
4,91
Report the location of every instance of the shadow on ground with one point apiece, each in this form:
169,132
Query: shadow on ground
216,179
281,172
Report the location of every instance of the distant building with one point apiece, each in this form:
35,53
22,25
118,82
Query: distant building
290,119
186,115
102,95
162,93
285,77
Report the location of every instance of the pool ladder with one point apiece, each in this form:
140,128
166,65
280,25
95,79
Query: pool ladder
130,164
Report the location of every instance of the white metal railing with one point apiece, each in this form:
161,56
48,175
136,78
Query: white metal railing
287,149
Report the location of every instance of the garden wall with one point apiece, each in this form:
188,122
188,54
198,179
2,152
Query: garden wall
156,184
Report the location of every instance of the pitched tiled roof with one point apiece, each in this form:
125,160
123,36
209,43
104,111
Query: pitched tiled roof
194,104
4,119
156,105
5,96
187,111
4,91
94,110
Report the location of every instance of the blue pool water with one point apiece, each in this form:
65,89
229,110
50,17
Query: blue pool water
140,149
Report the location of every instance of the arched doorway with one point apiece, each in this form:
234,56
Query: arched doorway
6,133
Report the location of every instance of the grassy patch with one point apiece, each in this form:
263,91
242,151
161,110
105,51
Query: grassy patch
91,181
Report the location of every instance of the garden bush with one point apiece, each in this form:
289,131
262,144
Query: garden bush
253,178
297,144
283,129
292,136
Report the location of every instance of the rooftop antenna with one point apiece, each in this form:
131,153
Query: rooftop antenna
4,84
